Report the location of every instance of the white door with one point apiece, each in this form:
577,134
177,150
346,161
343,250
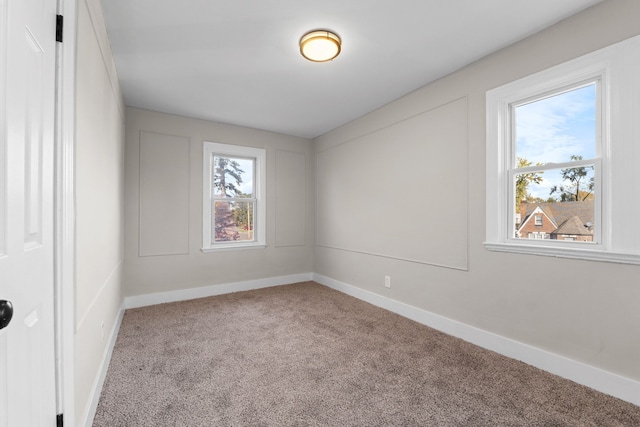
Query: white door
27,88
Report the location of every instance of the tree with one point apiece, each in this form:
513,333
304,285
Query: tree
523,180
227,176
243,214
580,186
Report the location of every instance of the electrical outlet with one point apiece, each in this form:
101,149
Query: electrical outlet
387,281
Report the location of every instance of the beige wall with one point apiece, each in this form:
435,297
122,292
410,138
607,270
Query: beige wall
164,254
587,311
99,200
426,232
383,193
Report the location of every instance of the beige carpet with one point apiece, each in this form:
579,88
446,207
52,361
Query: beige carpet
305,355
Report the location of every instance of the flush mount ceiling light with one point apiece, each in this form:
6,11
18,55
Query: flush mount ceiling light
320,45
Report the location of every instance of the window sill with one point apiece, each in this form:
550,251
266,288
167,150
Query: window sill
234,247
564,252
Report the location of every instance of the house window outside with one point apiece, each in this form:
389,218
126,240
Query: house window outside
561,149
233,197
557,129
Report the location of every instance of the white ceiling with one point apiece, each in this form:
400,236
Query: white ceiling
238,61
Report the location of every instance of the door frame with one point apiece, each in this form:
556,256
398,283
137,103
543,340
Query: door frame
64,212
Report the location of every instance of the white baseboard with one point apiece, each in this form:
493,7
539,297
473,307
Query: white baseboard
97,386
208,291
581,373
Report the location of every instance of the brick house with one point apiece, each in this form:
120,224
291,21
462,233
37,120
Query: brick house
556,220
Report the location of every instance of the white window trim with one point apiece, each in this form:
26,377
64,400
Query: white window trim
617,67
259,154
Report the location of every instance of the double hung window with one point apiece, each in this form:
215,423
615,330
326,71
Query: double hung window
561,149
233,197
554,163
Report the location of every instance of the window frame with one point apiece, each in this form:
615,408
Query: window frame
616,70
234,151
600,141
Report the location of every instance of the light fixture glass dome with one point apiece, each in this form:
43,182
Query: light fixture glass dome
320,45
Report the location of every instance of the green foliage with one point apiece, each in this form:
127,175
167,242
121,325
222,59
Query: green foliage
580,186
523,181
243,215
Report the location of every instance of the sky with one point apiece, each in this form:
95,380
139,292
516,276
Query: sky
247,167
553,129
247,177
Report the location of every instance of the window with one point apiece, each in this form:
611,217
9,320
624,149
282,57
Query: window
561,145
555,144
233,197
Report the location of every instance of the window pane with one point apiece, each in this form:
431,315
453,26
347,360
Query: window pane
233,176
233,221
556,129
555,204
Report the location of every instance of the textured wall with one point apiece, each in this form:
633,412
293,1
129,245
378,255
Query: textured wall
586,311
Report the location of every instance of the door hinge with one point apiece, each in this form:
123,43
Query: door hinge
59,421
59,24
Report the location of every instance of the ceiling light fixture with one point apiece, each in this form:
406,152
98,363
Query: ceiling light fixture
320,45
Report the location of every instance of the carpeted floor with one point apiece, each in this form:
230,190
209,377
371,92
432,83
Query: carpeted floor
306,355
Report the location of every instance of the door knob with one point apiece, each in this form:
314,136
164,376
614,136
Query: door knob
6,313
